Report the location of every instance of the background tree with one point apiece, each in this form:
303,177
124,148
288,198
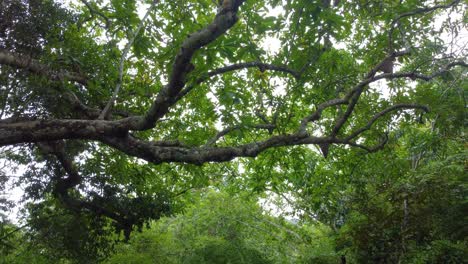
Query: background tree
115,116
219,228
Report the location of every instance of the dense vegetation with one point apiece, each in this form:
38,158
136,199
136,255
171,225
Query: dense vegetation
233,131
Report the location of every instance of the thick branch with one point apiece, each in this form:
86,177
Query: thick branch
63,185
353,95
57,148
224,20
115,133
24,62
48,130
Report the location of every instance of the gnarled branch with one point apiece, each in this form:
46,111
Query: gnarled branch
225,19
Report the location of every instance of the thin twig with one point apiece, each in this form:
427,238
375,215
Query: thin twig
417,11
104,112
93,10
238,66
230,129
383,113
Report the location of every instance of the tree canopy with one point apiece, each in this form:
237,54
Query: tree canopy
115,113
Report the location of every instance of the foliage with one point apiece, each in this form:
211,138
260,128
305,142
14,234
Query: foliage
219,228
114,113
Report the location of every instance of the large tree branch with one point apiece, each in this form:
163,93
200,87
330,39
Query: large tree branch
17,130
199,155
31,65
47,130
57,148
24,62
115,133
352,97
182,66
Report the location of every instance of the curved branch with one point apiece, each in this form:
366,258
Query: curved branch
383,113
238,66
63,185
115,133
318,113
415,75
224,20
353,95
417,11
375,148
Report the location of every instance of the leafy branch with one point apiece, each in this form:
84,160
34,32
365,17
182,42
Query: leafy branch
129,44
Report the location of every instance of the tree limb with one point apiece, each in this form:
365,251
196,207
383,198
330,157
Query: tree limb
115,134
31,65
371,149
260,65
318,112
224,20
353,95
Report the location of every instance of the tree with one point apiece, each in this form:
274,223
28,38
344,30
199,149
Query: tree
404,204
115,114
219,228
